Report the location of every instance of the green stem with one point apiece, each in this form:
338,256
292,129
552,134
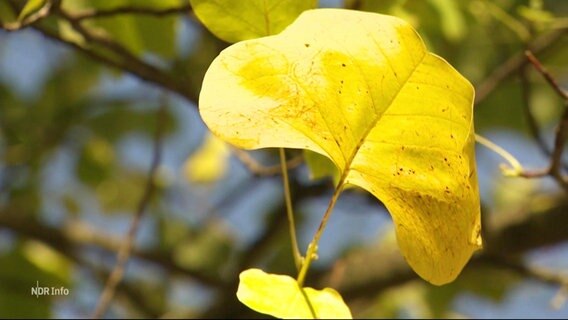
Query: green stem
289,212
516,168
312,247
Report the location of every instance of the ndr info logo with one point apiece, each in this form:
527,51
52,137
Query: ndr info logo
48,291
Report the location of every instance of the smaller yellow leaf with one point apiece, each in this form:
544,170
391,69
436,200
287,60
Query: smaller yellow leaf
46,258
209,162
31,7
281,297
234,21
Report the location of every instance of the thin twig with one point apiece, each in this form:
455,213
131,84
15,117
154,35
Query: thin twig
514,63
559,143
555,168
533,125
137,70
95,38
553,83
126,61
534,128
125,55
289,210
131,292
149,11
261,170
124,253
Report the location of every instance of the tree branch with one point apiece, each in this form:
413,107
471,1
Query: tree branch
537,273
129,290
125,61
130,61
555,168
542,275
149,11
534,128
73,237
125,250
514,63
139,70
547,76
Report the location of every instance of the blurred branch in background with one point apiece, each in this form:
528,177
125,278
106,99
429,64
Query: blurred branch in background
542,275
359,274
126,10
128,242
139,69
75,237
511,66
133,64
119,58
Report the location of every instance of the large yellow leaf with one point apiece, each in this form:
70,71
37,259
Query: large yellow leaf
361,89
281,297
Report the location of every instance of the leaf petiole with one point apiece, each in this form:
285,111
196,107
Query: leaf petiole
295,249
515,168
311,253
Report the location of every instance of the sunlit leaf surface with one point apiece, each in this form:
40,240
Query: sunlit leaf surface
361,89
281,297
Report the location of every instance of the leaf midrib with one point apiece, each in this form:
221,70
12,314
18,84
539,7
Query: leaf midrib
355,151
